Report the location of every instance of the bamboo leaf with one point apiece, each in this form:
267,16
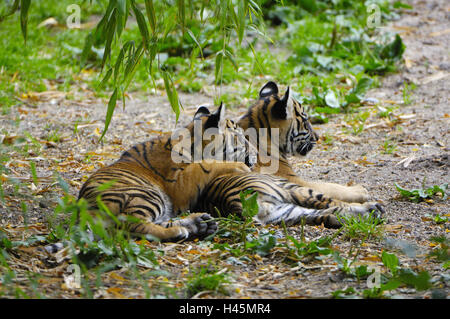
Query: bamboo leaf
242,8
106,78
109,112
119,61
142,24
181,13
150,9
230,57
192,35
110,29
13,9
219,64
88,42
24,7
122,6
171,94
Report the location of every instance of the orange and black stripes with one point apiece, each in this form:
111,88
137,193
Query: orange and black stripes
147,184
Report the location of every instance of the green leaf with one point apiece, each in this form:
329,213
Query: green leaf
249,203
122,6
393,50
192,35
142,24
150,9
363,85
62,183
11,11
24,7
33,172
106,78
230,57
181,13
390,261
106,185
171,94
88,42
219,65
242,8
331,99
308,5
399,4
110,30
109,112
420,281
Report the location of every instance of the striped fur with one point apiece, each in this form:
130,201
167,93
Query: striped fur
279,200
149,186
297,138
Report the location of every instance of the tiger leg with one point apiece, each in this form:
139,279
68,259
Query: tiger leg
156,221
293,214
350,194
193,226
307,197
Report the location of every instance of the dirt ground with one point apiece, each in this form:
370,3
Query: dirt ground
419,131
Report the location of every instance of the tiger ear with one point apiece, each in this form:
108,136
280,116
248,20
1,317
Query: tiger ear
220,113
284,109
270,88
201,111
217,119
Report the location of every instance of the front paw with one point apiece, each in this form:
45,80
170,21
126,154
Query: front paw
199,225
374,208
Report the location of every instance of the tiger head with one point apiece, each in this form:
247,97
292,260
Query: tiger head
282,111
222,138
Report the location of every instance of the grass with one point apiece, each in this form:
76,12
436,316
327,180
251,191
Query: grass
423,194
320,52
207,278
361,227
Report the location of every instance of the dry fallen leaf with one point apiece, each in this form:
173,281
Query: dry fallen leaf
438,33
435,77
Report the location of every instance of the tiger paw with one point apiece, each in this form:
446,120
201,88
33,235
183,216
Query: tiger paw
374,208
199,225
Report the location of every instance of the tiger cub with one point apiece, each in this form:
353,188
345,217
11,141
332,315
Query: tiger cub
296,138
280,200
150,186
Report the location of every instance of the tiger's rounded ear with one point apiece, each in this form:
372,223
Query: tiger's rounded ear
270,88
201,111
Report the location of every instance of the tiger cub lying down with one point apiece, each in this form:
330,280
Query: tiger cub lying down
154,189
150,186
296,138
282,195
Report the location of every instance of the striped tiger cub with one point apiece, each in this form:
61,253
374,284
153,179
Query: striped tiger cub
153,188
280,200
296,138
